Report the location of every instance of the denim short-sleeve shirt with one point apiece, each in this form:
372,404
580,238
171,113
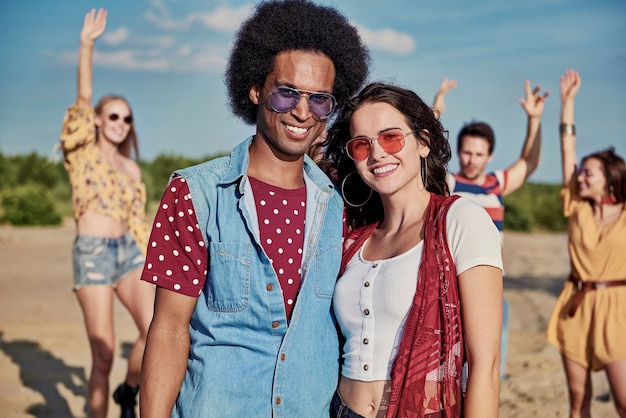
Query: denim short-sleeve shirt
245,359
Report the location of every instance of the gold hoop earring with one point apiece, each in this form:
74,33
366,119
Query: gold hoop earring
423,173
343,193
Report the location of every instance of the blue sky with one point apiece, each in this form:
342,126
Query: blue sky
168,56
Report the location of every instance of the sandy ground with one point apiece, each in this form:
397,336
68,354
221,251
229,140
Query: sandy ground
44,354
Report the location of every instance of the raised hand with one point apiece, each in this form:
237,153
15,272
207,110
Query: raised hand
447,85
570,84
439,104
534,102
93,26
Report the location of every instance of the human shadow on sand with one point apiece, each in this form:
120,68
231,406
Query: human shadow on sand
42,372
549,284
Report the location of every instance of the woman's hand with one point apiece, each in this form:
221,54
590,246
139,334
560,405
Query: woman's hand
570,84
93,26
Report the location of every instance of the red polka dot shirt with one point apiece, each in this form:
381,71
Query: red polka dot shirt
281,224
177,257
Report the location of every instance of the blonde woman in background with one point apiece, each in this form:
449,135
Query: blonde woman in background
108,199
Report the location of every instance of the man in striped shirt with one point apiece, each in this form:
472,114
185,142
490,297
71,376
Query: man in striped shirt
475,145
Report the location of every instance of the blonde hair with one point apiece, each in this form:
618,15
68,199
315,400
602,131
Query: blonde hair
130,143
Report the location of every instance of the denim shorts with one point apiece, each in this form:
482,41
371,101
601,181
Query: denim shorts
339,409
104,261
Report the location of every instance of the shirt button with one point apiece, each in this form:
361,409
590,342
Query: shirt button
283,356
374,265
277,401
366,284
270,287
275,324
366,367
366,341
366,311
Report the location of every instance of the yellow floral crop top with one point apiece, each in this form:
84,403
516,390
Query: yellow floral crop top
96,184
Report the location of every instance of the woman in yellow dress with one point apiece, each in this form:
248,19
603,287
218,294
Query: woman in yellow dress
108,200
588,324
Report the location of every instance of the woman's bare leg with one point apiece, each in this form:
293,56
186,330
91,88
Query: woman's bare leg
616,373
138,297
97,305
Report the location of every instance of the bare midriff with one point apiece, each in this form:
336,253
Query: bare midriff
95,224
369,399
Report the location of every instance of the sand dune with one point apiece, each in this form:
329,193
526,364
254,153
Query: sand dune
44,354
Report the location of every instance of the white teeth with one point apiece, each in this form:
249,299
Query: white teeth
380,170
296,130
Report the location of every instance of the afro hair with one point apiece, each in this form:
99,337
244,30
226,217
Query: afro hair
293,25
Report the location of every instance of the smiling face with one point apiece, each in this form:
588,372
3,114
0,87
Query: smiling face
388,174
115,131
591,180
289,135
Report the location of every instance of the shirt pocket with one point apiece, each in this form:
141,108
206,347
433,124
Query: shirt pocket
228,282
327,259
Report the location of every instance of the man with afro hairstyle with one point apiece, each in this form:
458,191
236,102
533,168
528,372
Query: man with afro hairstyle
245,249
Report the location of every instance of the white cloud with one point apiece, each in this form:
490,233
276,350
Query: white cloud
122,35
159,41
65,58
185,50
164,22
184,59
160,6
206,61
116,37
150,54
128,59
388,40
222,19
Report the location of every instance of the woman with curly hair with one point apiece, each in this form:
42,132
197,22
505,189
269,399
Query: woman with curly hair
245,249
588,324
420,289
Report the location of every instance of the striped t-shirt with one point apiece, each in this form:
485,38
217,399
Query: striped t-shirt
488,194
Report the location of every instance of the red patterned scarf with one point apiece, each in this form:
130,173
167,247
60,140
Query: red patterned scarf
426,374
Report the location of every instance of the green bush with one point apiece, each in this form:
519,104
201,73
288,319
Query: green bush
516,218
31,168
534,207
156,174
29,204
36,191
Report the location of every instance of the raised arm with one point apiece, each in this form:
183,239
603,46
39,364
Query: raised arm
570,84
93,27
439,105
520,170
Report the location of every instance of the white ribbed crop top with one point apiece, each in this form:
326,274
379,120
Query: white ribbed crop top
372,298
